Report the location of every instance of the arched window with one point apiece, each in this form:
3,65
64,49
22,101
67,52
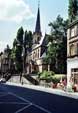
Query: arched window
38,38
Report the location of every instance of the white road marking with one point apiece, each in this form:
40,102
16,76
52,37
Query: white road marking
41,108
21,98
3,95
12,103
23,108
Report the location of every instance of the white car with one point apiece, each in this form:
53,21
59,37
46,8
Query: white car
2,80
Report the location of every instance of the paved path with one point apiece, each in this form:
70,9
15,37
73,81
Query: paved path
17,99
16,79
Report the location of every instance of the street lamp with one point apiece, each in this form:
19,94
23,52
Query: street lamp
23,57
49,63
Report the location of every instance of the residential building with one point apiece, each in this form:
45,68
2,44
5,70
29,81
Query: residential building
6,63
72,52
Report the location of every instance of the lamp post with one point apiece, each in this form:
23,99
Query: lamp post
23,59
49,64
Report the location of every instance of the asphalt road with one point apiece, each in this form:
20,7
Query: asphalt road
15,99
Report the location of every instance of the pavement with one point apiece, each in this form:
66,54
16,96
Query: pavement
17,98
16,79
47,90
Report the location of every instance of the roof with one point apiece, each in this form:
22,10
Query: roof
43,55
73,23
42,42
38,27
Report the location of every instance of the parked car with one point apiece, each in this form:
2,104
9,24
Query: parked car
2,80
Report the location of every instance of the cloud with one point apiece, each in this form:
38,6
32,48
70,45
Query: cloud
3,45
14,10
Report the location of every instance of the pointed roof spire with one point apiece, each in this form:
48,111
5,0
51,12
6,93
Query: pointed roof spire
38,26
39,4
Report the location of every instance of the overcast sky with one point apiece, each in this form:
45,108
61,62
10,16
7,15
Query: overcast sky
17,13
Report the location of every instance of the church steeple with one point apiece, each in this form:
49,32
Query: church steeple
37,34
38,26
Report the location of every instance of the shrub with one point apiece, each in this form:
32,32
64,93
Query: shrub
55,80
50,76
46,75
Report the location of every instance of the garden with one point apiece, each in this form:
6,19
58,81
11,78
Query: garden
50,79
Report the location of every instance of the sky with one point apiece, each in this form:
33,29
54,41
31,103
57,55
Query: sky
17,13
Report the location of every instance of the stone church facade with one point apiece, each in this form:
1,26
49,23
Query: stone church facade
35,58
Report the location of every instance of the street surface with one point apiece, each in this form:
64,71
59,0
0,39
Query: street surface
15,99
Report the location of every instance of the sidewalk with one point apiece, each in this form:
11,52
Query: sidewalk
45,89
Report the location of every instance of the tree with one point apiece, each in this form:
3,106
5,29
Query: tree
27,43
56,52
17,49
28,40
21,45
73,9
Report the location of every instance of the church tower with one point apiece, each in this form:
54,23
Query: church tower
37,34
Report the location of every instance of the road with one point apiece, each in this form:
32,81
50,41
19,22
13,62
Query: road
15,99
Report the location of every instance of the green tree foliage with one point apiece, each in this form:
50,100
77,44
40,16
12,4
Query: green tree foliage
73,9
17,50
21,45
27,44
28,40
56,52
20,36
46,75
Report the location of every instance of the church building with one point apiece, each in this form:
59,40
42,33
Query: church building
35,58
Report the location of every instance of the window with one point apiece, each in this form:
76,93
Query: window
72,34
38,38
72,50
74,75
38,53
77,30
77,48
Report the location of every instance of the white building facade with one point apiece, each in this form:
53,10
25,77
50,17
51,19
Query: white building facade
72,53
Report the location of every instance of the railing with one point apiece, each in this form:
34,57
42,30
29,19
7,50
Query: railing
31,79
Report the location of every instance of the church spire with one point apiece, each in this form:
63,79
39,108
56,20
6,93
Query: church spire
38,26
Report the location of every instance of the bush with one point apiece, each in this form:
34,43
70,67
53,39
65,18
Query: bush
55,80
46,75
50,76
